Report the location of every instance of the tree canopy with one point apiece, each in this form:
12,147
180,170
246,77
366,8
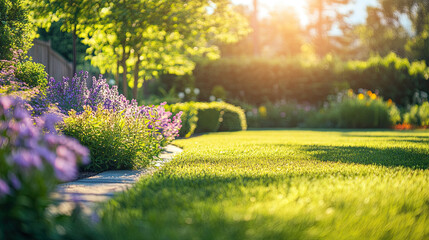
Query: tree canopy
15,28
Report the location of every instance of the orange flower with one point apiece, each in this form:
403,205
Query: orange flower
369,93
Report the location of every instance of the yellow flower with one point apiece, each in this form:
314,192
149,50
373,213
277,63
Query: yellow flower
361,96
373,96
262,111
350,92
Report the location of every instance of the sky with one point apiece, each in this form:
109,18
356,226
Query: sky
359,7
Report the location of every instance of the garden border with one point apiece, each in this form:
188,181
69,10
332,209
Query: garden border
88,192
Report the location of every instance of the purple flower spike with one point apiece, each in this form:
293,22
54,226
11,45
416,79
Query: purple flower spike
4,188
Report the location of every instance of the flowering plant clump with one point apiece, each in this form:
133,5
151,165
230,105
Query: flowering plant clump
33,159
122,140
75,93
364,109
8,81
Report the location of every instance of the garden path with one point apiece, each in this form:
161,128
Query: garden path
87,192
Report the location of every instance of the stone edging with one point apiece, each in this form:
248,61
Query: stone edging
89,191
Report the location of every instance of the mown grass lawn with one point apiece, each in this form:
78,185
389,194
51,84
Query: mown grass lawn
283,184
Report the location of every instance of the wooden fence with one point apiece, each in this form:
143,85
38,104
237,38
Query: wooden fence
55,65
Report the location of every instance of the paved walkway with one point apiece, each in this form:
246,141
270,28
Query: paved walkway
92,190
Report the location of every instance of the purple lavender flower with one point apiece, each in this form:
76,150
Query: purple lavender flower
26,149
4,188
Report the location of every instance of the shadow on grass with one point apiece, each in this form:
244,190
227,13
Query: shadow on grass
391,157
193,208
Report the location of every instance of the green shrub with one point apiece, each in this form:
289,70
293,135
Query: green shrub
418,115
424,114
233,117
356,111
15,28
258,81
33,74
115,140
209,117
281,114
189,117
203,117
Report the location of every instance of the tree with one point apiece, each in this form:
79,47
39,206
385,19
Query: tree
381,34
15,29
282,33
418,13
325,15
147,37
74,15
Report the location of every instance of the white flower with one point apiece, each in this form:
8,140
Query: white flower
181,95
196,91
187,90
212,98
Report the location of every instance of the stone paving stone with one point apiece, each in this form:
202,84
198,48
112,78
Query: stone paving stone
89,191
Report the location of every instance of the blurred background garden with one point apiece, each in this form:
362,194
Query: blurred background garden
353,64
96,85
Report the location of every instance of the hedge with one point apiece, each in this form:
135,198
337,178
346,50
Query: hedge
257,81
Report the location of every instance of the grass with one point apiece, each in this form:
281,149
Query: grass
284,184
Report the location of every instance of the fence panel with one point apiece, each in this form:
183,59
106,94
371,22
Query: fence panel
55,65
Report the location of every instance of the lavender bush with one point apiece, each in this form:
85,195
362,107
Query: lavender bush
122,139
32,162
119,133
79,91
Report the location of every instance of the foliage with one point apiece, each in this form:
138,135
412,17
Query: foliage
280,114
233,117
324,16
143,38
31,164
209,117
350,110
218,92
283,184
122,139
15,77
33,74
62,42
418,115
418,47
417,12
257,81
189,117
15,29
75,93
395,78
381,34
201,117
114,140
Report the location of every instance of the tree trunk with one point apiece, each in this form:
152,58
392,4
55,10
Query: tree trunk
74,48
146,88
136,77
124,67
118,63
255,29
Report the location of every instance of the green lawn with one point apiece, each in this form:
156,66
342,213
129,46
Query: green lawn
283,184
